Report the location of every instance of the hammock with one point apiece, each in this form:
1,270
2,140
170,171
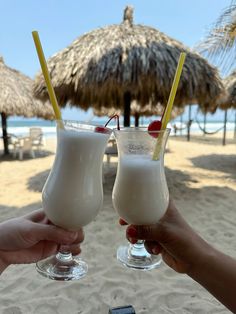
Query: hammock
206,132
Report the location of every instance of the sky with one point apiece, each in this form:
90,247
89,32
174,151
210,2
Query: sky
59,22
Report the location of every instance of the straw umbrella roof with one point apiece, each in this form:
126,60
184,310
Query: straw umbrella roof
229,99
147,110
16,96
100,67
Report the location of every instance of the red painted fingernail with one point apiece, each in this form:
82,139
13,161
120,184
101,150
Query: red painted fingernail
132,240
132,232
156,251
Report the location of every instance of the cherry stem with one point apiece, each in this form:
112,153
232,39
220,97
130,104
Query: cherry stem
115,116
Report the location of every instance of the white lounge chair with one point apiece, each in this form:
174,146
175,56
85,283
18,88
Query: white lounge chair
111,150
25,146
36,135
14,141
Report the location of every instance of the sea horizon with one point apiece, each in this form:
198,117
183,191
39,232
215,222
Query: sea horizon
20,127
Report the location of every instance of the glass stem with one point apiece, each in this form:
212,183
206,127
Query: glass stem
139,244
137,250
64,255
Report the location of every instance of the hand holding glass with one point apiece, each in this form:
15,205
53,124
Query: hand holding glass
140,194
73,192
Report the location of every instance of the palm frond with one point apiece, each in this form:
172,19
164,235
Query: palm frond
219,46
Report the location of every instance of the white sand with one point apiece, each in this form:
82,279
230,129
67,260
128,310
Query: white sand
202,181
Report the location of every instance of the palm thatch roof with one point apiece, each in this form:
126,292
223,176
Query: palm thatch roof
229,99
147,110
101,67
16,96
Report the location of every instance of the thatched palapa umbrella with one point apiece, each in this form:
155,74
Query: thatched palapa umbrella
137,111
229,99
219,45
16,98
114,65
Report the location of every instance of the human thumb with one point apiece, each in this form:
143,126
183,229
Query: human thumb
55,234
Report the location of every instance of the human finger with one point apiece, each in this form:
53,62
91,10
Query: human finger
74,249
36,215
132,240
147,232
54,234
79,237
153,247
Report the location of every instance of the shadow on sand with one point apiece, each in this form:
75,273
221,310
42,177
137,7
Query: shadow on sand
208,139
8,212
38,155
222,163
36,182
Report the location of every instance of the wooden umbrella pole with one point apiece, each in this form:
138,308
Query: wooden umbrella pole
235,125
189,122
136,119
4,133
224,133
204,123
181,123
127,109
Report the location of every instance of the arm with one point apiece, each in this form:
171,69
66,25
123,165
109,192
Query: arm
31,238
186,252
217,273
3,265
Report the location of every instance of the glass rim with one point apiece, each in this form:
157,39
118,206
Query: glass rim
91,126
140,129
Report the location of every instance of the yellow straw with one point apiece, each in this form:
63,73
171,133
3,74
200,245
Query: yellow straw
46,75
170,102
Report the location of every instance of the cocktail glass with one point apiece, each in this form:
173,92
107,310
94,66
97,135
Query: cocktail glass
140,193
73,192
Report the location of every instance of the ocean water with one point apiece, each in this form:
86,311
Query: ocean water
21,127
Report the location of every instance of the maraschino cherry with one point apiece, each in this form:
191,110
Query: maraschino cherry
103,129
153,127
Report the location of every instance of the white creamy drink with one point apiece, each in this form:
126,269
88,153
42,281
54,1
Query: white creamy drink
140,194
73,194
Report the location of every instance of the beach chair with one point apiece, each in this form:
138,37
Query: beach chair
111,150
14,141
25,146
36,136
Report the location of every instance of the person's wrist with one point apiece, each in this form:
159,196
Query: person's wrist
3,263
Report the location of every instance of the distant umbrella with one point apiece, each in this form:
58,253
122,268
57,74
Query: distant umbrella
16,98
229,99
138,111
114,65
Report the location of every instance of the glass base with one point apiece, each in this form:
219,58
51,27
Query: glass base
137,257
57,268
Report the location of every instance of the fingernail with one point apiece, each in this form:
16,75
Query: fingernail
132,240
132,232
155,251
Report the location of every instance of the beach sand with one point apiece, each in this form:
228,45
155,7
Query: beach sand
202,180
